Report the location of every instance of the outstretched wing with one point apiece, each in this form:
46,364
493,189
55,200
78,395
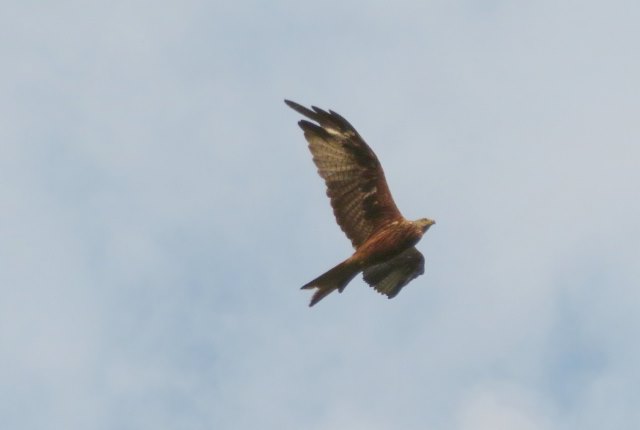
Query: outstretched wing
389,277
356,185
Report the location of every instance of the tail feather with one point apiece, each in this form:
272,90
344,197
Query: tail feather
334,279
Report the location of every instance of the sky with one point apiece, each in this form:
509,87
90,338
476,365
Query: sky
160,210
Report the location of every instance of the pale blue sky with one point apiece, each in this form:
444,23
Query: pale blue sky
160,211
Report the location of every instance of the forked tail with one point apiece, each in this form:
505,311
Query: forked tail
334,279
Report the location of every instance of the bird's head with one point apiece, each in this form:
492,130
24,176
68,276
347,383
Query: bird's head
424,224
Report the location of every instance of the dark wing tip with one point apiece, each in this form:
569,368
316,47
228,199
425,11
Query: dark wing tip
344,123
312,130
295,106
291,104
324,118
302,110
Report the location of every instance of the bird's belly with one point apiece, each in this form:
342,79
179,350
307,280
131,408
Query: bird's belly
386,244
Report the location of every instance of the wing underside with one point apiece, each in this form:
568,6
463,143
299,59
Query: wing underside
390,277
356,185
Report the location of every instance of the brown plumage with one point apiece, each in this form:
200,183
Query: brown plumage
364,209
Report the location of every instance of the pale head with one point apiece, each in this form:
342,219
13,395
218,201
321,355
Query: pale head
424,224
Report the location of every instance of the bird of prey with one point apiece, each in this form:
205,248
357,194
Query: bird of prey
362,204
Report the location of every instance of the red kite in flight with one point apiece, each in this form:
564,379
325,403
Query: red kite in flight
362,204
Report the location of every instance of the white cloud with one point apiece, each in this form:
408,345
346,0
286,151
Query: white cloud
496,407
